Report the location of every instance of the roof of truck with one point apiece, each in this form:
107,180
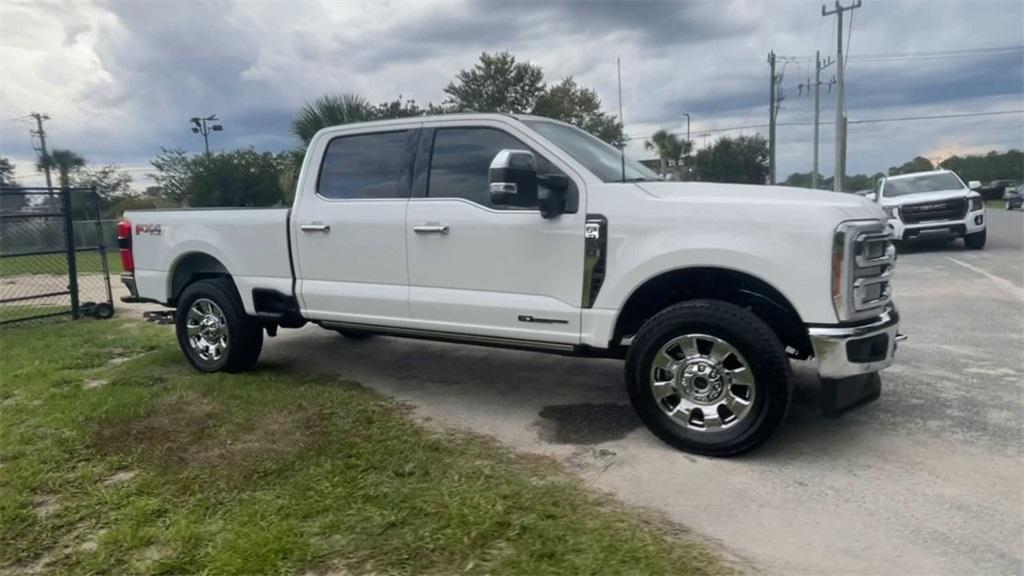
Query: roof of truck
450,116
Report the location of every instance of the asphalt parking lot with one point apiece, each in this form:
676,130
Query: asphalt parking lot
928,480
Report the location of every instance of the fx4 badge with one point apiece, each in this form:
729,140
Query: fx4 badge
147,229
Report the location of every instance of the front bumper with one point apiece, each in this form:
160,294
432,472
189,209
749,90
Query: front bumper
846,351
971,223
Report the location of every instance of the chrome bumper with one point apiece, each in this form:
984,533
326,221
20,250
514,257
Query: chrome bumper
842,352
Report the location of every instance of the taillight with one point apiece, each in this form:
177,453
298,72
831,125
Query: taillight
124,242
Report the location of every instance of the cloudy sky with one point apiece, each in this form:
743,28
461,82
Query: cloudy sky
121,79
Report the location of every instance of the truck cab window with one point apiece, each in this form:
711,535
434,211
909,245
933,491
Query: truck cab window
363,166
461,159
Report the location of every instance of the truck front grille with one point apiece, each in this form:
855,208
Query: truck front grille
934,211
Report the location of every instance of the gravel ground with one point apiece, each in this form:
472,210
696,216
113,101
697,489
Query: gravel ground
928,480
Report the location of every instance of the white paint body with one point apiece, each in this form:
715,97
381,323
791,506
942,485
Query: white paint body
495,265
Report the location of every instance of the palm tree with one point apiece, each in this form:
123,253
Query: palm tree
671,150
330,110
64,161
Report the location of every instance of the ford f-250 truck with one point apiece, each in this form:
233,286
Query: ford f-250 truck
523,232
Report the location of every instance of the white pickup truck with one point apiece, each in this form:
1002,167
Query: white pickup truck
523,232
936,201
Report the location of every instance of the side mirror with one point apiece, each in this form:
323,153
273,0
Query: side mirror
974,184
513,178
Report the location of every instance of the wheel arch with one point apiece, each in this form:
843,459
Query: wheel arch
190,267
740,288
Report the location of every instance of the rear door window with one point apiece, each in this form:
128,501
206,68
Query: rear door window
364,166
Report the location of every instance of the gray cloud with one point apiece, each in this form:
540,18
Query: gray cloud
122,78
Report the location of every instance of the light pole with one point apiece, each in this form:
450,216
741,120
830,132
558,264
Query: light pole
200,126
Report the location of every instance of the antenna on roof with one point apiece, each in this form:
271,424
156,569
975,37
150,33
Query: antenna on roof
622,147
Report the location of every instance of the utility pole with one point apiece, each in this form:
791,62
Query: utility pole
43,154
775,98
200,126
840,170
771,119
818,67
688,142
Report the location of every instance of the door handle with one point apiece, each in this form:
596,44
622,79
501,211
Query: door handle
431,229
325,228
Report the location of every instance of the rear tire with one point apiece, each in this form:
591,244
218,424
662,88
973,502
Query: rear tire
976,241
696,340
213,330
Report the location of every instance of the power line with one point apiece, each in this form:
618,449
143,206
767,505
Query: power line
865,121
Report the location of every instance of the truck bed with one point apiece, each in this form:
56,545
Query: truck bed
251,243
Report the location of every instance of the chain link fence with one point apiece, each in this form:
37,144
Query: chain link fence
56,254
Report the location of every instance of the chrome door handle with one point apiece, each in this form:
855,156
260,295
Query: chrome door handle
431,229
315,228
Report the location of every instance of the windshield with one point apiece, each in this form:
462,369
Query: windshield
924,183
604,160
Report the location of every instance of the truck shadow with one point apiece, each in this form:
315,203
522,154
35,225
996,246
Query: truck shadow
562,400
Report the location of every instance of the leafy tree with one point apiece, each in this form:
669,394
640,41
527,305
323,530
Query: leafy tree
10,202
1007,165
237,178
64,161
496,84
671,151
7,173
569,102
108,180
803,180
918,164
330,110
172,175
740,160
399,108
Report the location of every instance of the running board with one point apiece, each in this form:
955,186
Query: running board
493,341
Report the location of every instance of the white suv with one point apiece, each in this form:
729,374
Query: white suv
933,202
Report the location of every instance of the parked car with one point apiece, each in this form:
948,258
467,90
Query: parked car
523,232
1014,197
995,189
937,201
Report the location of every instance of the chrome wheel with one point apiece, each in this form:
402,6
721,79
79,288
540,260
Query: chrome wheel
207,330
702,383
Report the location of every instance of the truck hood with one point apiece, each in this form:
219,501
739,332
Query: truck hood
840,206
927,197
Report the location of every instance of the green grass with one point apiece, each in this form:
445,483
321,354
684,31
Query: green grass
86,262
119,459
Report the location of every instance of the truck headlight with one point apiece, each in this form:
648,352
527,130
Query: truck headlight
863,259
977,203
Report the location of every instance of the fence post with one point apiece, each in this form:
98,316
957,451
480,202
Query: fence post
101,243
69,246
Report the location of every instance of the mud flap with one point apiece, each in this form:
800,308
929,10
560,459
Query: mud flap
844,394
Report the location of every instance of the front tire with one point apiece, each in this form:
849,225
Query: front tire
213,330
709,377
976,241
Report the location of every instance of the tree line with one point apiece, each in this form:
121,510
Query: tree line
985,168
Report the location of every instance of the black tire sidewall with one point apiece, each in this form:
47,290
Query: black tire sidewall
977,240
240,338
751,337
